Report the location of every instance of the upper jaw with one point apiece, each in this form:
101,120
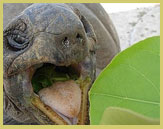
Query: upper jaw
52,53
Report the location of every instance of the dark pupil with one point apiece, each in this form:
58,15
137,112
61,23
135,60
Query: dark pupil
19,39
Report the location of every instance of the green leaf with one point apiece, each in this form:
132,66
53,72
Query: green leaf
131,81
120,116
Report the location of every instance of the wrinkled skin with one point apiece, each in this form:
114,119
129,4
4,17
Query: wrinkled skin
60,34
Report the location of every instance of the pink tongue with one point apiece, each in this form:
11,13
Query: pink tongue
65,97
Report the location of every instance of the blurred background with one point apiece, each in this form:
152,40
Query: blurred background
119,7
134,21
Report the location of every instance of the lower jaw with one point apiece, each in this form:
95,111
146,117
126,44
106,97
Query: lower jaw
60,119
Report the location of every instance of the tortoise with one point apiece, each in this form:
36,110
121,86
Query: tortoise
73,39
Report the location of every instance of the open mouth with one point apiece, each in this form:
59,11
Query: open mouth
60,93
48,74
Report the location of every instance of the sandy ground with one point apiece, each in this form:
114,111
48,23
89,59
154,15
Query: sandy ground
135,25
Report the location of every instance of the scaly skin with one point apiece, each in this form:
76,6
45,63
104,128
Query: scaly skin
60,34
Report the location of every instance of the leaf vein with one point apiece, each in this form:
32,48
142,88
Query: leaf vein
127,98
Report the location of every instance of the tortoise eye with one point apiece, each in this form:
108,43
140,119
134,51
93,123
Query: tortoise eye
17,42
17,37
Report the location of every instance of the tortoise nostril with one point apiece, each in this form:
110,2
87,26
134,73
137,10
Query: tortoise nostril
79,37
66,42
65,39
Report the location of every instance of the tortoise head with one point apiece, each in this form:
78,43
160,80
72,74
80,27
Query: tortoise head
43,36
